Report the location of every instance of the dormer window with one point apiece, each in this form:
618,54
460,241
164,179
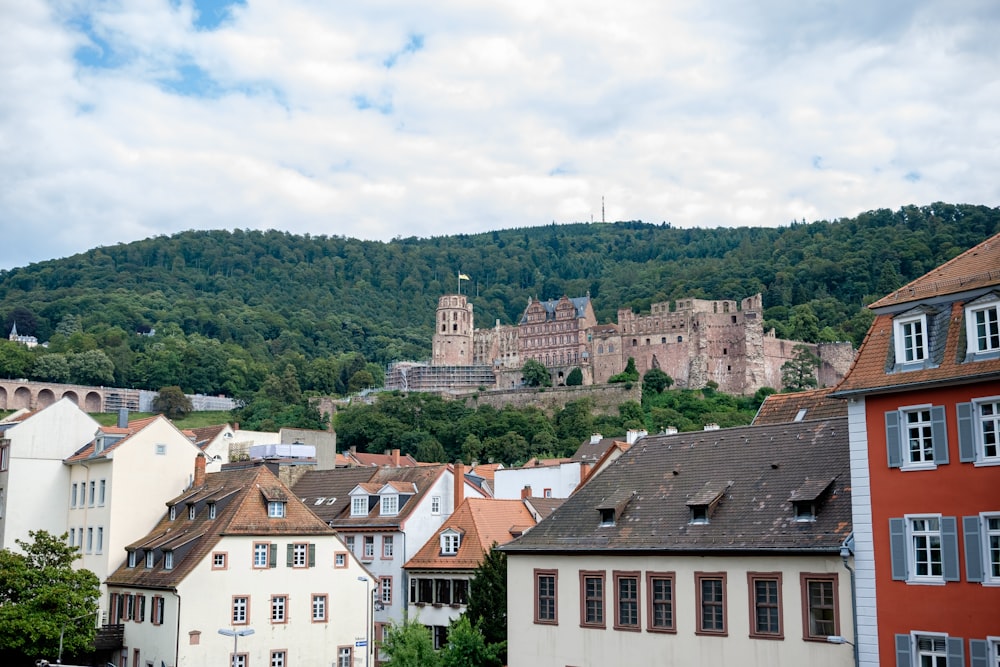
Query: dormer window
192,512
390,505
450,541
359,506
211,510
703,503
150,559
982,326
276,509
173,512
807,497
911,338
168,560
607,516
611,508
132,558
805,511
699,515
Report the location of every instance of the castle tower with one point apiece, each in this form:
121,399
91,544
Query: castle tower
453,327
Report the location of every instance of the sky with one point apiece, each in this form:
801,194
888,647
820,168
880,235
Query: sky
381,119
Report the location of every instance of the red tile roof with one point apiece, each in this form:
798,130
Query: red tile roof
135,426
785,408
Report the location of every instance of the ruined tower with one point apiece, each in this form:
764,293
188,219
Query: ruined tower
452,344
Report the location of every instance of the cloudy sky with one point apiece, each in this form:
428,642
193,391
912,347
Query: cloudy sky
121,120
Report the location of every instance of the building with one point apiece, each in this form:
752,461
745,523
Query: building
238,571
440,572
32,448
27,341
724,547
923,401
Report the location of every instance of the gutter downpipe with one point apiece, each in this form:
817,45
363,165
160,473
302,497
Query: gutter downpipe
177,638
846,552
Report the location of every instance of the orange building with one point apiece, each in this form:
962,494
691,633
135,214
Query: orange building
924,412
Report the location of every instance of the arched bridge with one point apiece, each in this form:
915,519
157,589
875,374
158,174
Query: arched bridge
17,394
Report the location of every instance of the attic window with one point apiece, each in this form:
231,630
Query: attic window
359,506
800,415
211,510
319,501
450,540
276,509
982,327
806,499
150,559
805,511
331,501
173,512
168,560
390,505
607,516
613,506
704,502
699,514
131,558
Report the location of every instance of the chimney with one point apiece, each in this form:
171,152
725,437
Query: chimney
526,491
459,485
395,458
122,417
199,470
635,434
596,438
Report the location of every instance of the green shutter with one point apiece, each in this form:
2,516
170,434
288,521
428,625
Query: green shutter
288,560
273,561
312,555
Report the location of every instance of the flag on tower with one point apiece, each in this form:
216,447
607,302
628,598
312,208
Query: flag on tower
462,276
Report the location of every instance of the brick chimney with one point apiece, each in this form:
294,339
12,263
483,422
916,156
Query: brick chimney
199,470
526,491
459,485
395,458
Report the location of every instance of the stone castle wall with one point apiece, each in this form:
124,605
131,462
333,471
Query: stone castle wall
605,398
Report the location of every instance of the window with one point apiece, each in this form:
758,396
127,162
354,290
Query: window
241,609
982,548
369,552
450,541
161,449
150,559
319,608
192,512
911,339
173,512
156,612
820,609
141,604
340,559
211,510
765,604
100,540
349,543
276,509
298,554
72,543
390,505
916,438
72,495
239,659
90,540
129,607
931,649
387,546
592,599
359,506
345,656
168,560
924,549
277,659
385,586
710,591
93,492
264,555
279,608
546,493
626,600
546,596
4,457
219,560
660,592
101,492
979,431
435,505
982,327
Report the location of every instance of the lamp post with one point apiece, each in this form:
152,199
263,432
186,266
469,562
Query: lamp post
368,623
62,631
235,634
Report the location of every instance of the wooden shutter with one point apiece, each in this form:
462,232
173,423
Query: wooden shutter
273,561
290,555
973,549
897,548
939,431
949,548
979,652
312,555
956,652
966,433
904,656
893,440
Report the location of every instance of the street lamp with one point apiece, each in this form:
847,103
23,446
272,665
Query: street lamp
62,631
368,623
235,634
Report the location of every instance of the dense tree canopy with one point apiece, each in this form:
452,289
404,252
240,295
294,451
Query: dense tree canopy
487,610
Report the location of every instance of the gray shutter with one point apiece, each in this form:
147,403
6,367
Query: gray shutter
956,652
973,550
904,656
949,548
312,555
966,434
939,431
897,548
289,555
273,561
893,440
979,652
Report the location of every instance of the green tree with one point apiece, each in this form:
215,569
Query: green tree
409,644
799,372
575,378
467,647
630,374
42,595
91,367
535,374
656,380
487,610
16,360
172,402
52,367
360,380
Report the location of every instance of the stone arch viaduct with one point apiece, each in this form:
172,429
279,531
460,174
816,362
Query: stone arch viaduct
17,394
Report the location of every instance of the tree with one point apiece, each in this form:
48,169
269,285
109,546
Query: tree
42,595
409,644
467,647
656,380
575,378
630,374
91,367
535,374
487,610
799,372
172,402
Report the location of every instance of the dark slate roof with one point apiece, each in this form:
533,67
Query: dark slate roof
757,469
813,404
326,492
543,507
589,452
579,304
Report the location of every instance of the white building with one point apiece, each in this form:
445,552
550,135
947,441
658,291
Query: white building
542,478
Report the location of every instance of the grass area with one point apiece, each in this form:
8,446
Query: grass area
193,420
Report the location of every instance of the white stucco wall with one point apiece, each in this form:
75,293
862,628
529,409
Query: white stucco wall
861,509
531,644
562,479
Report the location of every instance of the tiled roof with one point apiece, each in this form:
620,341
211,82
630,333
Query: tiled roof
757,468
373,460
135,426
327,492
204,435
591,451
240,510
974,268
543,507
485,470
813,404
482,521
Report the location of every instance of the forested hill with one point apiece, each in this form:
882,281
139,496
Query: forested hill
230,307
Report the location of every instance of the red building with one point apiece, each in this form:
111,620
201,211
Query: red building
924,412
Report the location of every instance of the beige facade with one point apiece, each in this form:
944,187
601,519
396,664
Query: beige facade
570,641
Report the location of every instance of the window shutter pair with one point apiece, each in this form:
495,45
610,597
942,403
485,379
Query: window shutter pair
895,442
899,548
290,555
956,652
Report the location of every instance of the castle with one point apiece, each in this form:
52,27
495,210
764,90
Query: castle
695,341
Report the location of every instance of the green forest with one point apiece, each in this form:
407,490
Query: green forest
241,312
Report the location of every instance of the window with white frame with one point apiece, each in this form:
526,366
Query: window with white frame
279,606
369,551
390,505
72,495
277,659
276,509
924,549
359,506
300,554
349,542
101,492
4,457
387,546
173,512
979,431
240,606
150,559
450,541
916,437
72,543
261,553
930,649
219,560
982,547
911,339
345,657
435,505
211,510
982,326
192,512
100,540
93,493
318,608
90,540
385,584
168,560
239,659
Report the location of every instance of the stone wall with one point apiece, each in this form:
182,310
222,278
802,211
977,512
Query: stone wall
605,398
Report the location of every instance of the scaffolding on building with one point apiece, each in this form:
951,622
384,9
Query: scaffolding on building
415,376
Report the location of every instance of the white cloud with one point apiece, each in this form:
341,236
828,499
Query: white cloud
385,119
